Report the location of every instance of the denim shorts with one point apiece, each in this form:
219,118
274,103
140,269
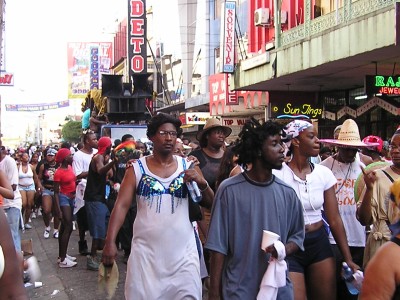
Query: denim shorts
13,218
27,188
47,192
97,215
316,249
66,201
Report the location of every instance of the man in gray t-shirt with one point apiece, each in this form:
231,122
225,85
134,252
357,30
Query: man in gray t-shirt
244,206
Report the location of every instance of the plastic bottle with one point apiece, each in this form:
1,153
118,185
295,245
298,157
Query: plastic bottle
193,188
349,279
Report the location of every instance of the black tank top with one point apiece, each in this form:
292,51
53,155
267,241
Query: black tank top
95,185
48,175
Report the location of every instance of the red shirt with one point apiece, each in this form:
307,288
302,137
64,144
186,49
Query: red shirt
67,180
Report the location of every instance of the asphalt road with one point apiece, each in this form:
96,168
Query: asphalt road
67,283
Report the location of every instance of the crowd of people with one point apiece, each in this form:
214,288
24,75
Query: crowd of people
329,200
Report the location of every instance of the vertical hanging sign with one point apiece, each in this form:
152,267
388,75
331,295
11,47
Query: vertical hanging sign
227,41
94,68
137,50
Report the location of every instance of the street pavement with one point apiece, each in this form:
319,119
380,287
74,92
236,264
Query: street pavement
67,283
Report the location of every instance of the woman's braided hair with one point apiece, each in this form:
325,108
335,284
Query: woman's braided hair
252,137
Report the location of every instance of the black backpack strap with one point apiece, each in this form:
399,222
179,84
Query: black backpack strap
388,176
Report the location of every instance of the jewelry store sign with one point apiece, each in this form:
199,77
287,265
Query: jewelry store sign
385,85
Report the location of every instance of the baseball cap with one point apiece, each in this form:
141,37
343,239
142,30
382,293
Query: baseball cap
51,152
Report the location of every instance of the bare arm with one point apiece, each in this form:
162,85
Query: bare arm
38,184
364,212
216,266
6,189
206,191
82,175
101,167
336,224
56,186
124,200
382,275
11,284
96,121
40,175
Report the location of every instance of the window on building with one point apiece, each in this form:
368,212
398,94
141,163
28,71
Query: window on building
216,59
217,8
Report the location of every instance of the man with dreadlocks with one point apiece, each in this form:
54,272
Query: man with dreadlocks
244,206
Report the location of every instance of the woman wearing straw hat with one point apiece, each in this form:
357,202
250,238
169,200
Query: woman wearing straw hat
315,186
212,146
346,168
212,143
374,208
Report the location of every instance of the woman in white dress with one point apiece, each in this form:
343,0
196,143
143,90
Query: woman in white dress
164,262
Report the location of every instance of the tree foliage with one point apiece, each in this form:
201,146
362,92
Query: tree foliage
72,131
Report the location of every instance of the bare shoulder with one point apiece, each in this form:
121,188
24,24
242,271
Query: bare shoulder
382,276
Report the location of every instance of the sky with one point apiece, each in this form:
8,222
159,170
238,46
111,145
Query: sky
36,37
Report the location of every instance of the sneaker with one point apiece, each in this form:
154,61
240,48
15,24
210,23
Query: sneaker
66,263
55,234
71,258
92,263
33,215
28,226
46,234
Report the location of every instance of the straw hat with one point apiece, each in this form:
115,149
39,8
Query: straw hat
213,123
349,136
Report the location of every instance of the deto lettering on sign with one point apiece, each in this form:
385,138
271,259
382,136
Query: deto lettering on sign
137,34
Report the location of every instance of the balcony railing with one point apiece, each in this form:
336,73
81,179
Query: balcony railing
350,11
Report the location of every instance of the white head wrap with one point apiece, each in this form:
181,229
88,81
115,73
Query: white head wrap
294,128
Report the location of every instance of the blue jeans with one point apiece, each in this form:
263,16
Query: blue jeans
13,217
66,201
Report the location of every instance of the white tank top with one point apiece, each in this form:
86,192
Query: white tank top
25,178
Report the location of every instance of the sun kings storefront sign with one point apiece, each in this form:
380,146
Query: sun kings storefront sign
137,51
293,105
227,41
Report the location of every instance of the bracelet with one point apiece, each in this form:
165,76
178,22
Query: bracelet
207,186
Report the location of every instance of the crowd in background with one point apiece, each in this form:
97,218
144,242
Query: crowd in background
339,193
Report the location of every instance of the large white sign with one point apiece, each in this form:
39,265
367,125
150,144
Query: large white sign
197,118
227,42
